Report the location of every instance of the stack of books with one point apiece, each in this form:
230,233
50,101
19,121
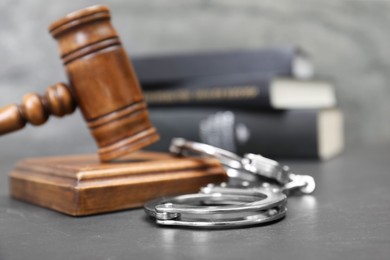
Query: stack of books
251,101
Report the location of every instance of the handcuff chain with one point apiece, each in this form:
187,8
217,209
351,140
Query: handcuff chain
255,164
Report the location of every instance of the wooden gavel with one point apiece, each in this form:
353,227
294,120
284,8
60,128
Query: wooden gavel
102,82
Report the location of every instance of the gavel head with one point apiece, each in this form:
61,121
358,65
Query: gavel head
103,82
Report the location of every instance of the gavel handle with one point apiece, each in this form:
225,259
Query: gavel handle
58,100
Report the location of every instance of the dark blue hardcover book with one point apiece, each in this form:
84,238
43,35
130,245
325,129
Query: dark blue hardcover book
170,70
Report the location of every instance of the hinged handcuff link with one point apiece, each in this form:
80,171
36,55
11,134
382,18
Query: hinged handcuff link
256,192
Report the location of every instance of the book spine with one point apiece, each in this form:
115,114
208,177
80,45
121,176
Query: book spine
248,96
289,134
165,71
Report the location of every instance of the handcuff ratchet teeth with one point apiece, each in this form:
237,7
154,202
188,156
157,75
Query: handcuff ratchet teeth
236,204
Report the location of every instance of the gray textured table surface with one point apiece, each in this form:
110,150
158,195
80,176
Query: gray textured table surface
347,218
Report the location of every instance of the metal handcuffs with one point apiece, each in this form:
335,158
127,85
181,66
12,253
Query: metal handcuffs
256,193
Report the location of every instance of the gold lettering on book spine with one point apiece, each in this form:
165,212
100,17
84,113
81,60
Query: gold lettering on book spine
219,93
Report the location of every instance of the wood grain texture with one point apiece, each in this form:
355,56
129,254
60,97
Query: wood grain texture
80,185
102,82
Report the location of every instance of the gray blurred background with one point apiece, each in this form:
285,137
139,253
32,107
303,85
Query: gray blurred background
348,41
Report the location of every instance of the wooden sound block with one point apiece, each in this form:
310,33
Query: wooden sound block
80,185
